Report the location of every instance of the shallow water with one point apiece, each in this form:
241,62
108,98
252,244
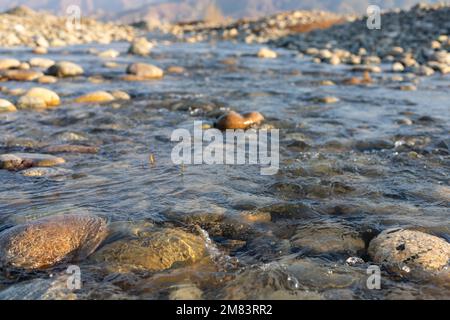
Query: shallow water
345,168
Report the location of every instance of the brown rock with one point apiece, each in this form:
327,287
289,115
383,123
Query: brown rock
234,120
146,71
93,97
19,161
152,251
45,242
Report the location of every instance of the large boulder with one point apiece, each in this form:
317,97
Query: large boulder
48,241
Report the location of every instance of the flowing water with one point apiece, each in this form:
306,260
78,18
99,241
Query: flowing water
348,170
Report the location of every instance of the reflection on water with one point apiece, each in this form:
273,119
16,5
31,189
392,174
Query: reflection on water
347,171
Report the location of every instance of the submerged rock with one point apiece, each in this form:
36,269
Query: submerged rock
48,241
45,172
6,106
65,69
19,161
152,251
409,250
97,96
70,148
328,238
234,120
145,71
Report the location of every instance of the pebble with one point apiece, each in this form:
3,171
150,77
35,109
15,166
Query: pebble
6,106
397,67
9,64
145,71
65,69
19,161
267,53
234,120
41,63
109,54
45,242
120,95
22,75
47,79
141,47
95,97
398,248
176,69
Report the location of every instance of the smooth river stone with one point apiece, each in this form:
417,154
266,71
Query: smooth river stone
152,251
97,96
19,161
51,240
234,120
410,250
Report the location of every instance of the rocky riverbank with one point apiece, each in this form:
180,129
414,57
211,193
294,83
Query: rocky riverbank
416,41
257,30
24,27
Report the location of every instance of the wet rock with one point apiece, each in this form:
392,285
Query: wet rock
95,97
398,67
41,63
22,75
39,289
145,71
45,172
120,95
6,106
40,50
152,251
37,98
19,161
234,120
48,241
328,238
9,64
65,69
328,99
375,144
109,54
176,70
141,47
69,148
409,250
186,292
47,79
267,53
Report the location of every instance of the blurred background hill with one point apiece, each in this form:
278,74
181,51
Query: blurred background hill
128,11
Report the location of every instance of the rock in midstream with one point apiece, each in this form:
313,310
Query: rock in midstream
63,69
6,106
328,238
95,97
145,71
410,250
38,98
141,47
234,120
51,240
152,251
19,161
